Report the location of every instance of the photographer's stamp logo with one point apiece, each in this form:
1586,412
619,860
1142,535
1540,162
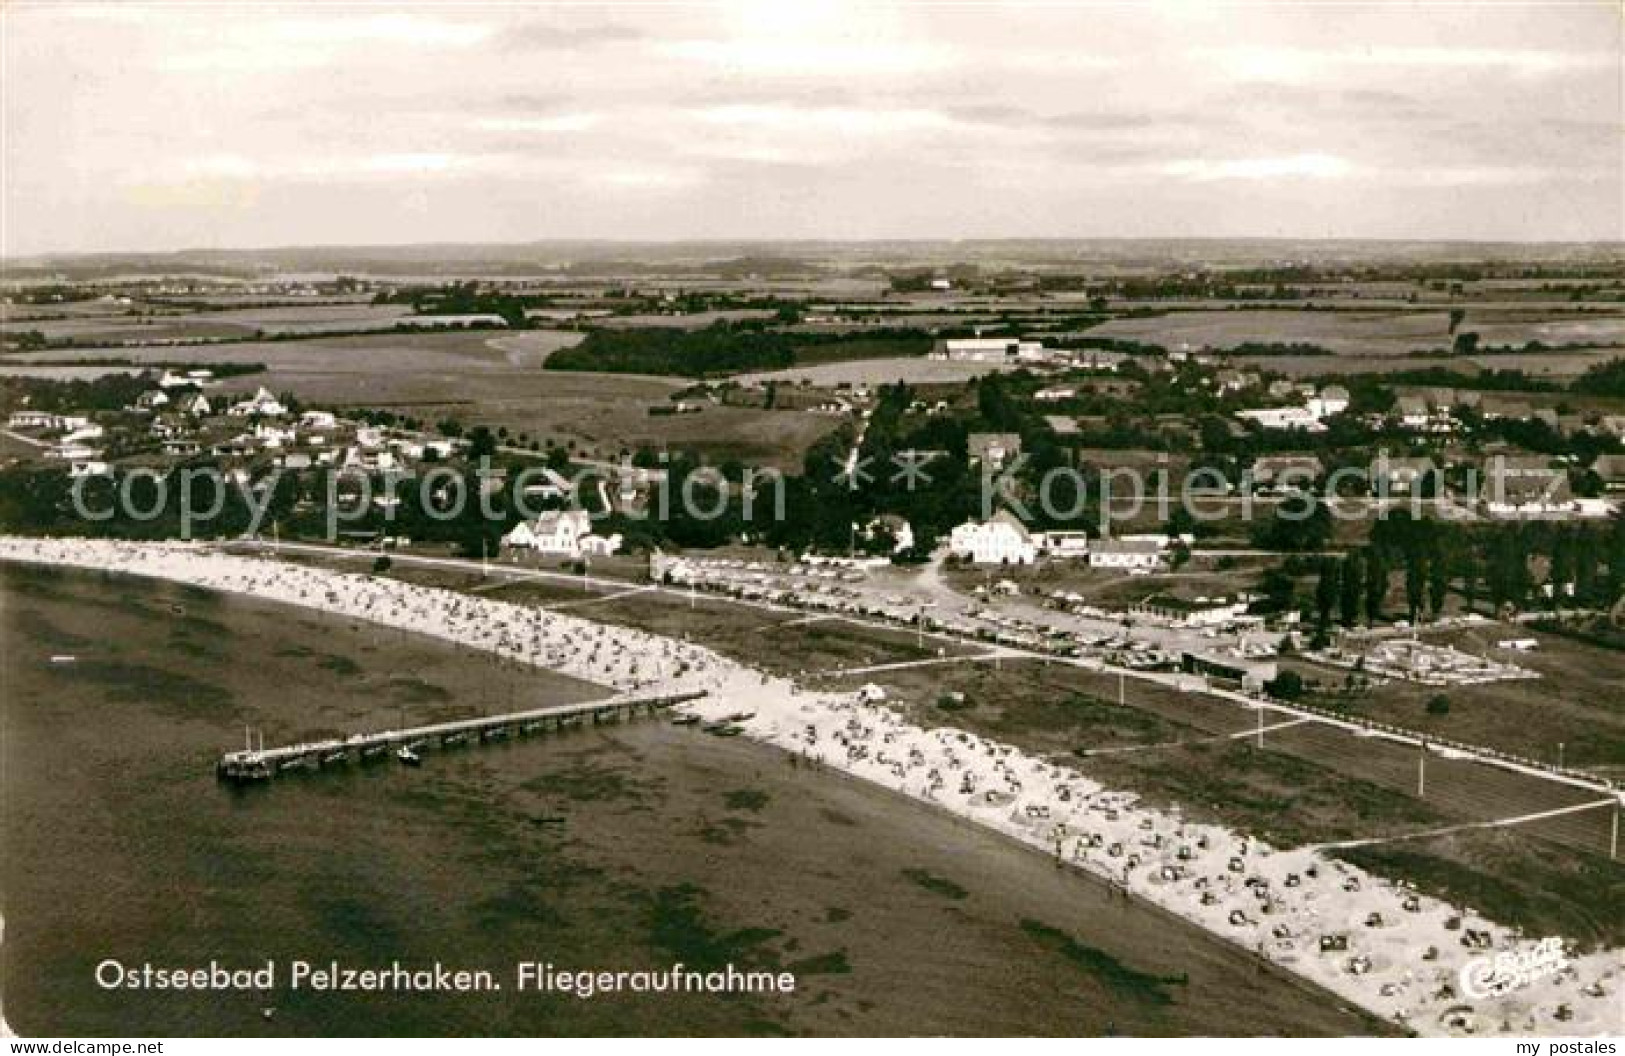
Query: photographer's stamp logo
1496,974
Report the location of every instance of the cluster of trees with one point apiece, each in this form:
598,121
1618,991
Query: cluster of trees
1508,380
25,341
1584,565
1295,526
721,348
109,392
1280,348
829,509
1602,379
465,298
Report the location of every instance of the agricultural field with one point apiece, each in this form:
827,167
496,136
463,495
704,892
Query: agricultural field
1369,340
1555,366
685,321
375,357
167,325
604,414
1349,332
480,377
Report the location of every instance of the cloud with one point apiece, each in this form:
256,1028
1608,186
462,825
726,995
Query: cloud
845,120
830,59
239,46
1310,64
414,30
544,124
550,36
1313,166
650,177
238,167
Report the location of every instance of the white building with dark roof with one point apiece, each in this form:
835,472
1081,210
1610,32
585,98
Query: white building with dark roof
1000,540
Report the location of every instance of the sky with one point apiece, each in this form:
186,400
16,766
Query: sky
235,125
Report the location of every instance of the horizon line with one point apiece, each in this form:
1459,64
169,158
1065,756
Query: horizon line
1617,244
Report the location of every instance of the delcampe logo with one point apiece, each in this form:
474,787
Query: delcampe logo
1495,974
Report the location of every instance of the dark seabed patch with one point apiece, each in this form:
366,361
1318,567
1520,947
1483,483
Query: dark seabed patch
1108,970
937,885
416,691
342,666
174,692
753,799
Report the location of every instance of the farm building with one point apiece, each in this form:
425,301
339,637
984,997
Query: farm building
1190,612
1125,553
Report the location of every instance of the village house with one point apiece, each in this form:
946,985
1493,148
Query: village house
1252,673
1403,475
73,452
1190,612
274,436
989,350
261,403
1526,486
33,420
1062,544
1000,540
1283,418
1271,473
193,405
992,450
552,487
1611,425
1413,413
1610,469
84,433
897,528
1142,554
150,402
561,533
365,458
1333,399
1089,358
1231,380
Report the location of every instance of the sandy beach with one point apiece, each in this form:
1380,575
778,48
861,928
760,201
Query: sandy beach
1388,950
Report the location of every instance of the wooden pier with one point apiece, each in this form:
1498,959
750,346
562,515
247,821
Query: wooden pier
262,764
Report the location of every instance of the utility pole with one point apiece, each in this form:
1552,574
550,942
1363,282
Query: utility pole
1260,726
1422,772
1613,838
